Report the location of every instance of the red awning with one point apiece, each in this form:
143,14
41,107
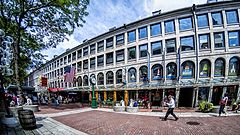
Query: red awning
55,89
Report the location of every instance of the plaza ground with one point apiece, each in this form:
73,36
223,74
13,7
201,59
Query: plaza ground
70,119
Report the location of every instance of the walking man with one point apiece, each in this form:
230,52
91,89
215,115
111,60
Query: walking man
171,106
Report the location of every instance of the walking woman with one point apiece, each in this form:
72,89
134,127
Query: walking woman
223,103
171,106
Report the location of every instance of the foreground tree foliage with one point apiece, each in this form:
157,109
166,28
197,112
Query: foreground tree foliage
38,24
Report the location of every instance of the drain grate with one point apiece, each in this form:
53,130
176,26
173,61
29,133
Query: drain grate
193,123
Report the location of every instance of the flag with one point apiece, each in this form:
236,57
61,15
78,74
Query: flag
69,73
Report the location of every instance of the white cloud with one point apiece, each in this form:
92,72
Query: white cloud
105,14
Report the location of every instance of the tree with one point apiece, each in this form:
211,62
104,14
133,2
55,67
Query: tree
39,24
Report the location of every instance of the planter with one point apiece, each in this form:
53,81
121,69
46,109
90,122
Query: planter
15,110
215,109
132,109
34,108
119,108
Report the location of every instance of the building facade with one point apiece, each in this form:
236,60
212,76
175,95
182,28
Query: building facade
191,53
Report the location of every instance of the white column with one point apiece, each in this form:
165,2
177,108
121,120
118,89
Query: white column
210,94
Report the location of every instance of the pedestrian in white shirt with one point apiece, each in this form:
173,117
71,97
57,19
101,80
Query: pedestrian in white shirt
29,101
171,106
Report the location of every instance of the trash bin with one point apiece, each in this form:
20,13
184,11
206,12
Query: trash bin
27,119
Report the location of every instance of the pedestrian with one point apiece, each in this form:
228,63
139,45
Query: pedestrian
171,106
223,103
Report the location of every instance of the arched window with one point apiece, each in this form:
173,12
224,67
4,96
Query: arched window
143,73
219,69
132,75
157,72
233,66
205,68
188,69
79,80
100,79
109,77
119,76
171,70
85,80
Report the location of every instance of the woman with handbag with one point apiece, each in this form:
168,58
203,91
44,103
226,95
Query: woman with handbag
223,103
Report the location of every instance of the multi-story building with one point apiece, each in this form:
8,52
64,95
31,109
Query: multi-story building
192,53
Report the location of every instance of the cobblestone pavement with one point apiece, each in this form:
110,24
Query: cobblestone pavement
108,123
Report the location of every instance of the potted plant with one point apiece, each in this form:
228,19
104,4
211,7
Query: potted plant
205,106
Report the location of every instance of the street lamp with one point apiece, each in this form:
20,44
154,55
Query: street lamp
93,82
6,57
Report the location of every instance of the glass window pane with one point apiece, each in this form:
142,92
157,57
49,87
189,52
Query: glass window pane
234,67
109,43
131,53
120,55
202,21
231,17
131,36
169,27
100,46
217,18
156,29
109,58
132,75
119,76
156,48
157,72
187,43
204,42
171,71
143,50
219,68
185,23
205,68
171,45
143,73
142,32
120,39
233,39
100,60
187,70
219,40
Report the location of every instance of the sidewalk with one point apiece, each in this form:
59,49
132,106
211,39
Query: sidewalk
48,126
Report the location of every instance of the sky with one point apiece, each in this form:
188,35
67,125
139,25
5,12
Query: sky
105,14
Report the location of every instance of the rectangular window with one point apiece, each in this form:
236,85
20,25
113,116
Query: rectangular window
79,66
233,38
185,24
156,48
109,58
169,26
65,60
73,56
85,51
204,41
61,61
202,21
100,60
79,53
219,40
143,49
232,17
132,53
92,49
85,64
120,39
92,63
142,33
109,43
120,55
69,58
217,19
156,29
170,45
100,46
187,43
132,36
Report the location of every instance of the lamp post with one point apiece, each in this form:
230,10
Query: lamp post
5,61
93,82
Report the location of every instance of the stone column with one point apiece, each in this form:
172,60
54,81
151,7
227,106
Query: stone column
238,93
195,97
210,94
114,96
224,91
177,96
136,94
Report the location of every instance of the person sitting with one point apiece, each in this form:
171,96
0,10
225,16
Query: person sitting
29,101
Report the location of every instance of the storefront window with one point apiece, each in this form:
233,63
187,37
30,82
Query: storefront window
85,80
100,79
79,80
143,73
205,68
188,70
219,68
119,76
109,77
132,75
171,70
233,67
157,72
